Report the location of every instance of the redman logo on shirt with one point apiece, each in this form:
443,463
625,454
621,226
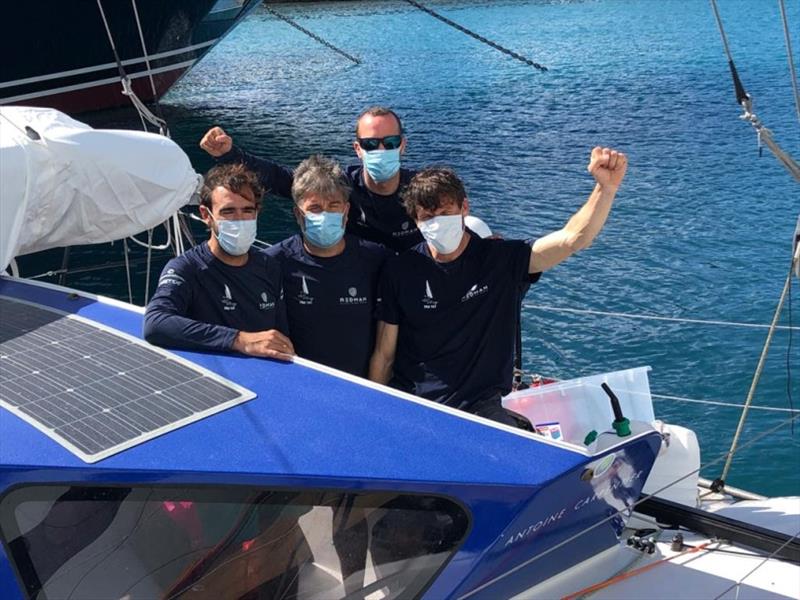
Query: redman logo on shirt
405,229
352,297
474,292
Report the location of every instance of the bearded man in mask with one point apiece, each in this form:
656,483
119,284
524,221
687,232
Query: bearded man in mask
376,211
447,308
330,277
223,295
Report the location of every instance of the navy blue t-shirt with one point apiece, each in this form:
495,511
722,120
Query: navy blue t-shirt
201,303
373,217
330,302
457,320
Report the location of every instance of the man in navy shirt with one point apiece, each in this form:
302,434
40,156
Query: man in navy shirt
447,307
222,295
329,277
376,211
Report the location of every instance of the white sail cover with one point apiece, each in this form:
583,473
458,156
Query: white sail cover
77,185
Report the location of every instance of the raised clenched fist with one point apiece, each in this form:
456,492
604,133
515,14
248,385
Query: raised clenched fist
608,166
216,142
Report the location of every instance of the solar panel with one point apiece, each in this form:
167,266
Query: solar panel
97,391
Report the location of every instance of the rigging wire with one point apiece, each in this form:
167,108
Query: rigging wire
476,36
627,509
164,131
758,566
127,270
728,404
127,89
789,357
629,574
311,34
756,376
790,57
148,263
623,315
745,101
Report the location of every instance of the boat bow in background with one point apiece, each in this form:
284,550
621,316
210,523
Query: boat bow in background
63,58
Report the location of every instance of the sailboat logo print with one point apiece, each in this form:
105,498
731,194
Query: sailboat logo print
228,303
304,296
428,301
265,303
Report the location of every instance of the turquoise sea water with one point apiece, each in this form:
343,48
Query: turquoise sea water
701,229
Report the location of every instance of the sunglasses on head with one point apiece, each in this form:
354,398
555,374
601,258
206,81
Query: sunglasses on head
390,142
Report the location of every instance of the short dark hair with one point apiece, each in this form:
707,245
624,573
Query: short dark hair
234,177
378,111
431,189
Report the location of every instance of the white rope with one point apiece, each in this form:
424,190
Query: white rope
654,317
691,400
141,108
149,245
728,404
176,223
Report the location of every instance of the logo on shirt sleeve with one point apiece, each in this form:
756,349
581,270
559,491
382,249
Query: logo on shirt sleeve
228,303
171,278
428,301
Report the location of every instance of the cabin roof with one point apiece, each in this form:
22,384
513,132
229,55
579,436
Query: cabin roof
306,421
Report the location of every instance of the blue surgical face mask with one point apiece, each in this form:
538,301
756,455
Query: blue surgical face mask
324,229
236,237
381,165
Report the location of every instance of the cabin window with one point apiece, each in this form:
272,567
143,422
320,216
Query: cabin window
234,542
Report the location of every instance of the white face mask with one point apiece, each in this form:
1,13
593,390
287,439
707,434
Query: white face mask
444,232
236,237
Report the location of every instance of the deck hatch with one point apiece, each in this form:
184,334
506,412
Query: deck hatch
94,390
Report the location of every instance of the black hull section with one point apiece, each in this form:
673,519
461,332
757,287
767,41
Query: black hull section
58,55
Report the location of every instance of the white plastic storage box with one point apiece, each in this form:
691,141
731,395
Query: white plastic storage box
568,410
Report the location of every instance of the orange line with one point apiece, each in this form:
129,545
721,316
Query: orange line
629,574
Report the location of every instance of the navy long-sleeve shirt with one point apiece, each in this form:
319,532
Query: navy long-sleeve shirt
373,217
201,303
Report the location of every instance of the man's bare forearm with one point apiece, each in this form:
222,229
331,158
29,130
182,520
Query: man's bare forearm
380,369
584,225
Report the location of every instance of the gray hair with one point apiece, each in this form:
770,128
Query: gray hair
321,176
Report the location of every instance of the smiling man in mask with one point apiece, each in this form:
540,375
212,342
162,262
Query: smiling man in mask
330,278
447,308
222,295
376,211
